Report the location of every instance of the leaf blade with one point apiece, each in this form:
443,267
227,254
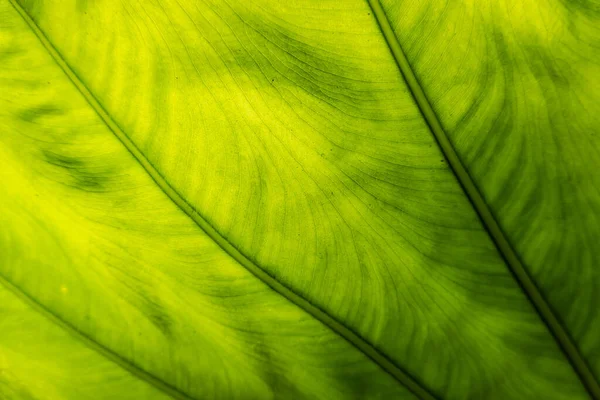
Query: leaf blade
452,382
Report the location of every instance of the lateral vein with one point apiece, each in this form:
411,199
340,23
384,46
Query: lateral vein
386,364
548,316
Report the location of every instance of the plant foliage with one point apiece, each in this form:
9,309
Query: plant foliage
301,199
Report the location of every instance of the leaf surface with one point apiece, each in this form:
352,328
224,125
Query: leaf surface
243,200
520,106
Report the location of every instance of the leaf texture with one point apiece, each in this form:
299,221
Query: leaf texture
535,75
122,264
243,200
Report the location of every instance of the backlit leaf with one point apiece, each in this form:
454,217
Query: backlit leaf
299,200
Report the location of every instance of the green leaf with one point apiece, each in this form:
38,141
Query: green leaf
299,200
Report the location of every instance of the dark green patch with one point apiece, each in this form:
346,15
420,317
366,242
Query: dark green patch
12,388
5,54
82,5
162,322
89,181
61,160
35,113
156,314
275,378
82,177
590,7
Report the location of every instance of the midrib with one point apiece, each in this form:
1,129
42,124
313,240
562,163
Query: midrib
358,342
556,328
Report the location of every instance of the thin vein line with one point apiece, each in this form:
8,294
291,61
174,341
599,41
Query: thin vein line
544,309
83,337
387,365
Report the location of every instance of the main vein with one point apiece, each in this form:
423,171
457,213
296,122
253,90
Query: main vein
544,309
387,365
